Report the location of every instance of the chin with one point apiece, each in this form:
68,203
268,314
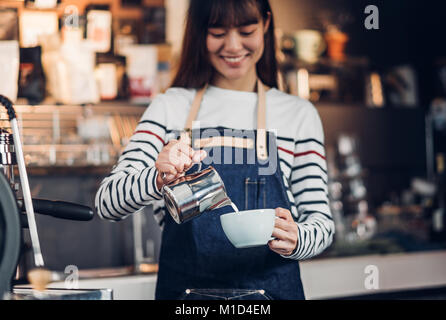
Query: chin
234,75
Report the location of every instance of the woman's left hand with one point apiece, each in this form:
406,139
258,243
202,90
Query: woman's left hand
285,232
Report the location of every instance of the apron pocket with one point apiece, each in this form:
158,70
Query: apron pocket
224,294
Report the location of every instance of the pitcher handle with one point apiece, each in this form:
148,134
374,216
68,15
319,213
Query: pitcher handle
184,173
199,166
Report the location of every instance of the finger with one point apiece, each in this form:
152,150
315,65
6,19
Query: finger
178,175
282,252
281,246
173,154
203,154
179,166
277,245
185,149
284,214
169,177
280,234
184,162
179,161
171,144
176,147
166,168
196,156
283,224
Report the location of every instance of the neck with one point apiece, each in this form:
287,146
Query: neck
247,83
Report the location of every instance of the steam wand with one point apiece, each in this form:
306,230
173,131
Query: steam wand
38,258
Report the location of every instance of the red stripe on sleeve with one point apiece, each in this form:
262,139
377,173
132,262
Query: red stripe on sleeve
150,132
301,153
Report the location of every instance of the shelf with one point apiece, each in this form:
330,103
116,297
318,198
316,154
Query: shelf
117,10
77,170
58,138
50,105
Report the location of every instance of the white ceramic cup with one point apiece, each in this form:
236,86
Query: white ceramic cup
249,228
309,45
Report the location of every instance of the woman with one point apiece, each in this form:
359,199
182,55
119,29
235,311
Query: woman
227,82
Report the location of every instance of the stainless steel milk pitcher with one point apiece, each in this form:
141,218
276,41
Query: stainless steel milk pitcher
189,196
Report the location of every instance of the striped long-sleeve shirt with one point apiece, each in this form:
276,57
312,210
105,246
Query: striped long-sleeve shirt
300,140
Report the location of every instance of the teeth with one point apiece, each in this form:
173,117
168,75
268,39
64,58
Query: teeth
233,60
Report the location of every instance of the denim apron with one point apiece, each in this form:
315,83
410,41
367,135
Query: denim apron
197,261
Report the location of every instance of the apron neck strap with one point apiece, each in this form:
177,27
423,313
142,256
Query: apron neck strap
261,117
195,107
261,122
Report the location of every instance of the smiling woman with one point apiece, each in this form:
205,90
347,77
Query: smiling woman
227,81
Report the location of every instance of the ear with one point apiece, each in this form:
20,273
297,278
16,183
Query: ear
267,22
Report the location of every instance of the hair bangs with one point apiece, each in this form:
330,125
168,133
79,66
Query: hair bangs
233,13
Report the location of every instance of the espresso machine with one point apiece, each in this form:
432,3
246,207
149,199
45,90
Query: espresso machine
17,212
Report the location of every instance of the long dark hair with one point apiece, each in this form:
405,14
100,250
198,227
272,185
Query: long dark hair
195,69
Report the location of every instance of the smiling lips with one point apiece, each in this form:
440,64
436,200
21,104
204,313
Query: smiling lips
234,61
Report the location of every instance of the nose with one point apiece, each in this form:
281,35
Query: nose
233,42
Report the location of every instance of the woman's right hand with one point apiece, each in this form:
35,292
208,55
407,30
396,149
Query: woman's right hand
174,160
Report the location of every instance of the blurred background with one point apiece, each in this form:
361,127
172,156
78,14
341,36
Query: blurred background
81,73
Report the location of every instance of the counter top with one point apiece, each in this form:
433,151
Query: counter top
131,287
350,276
322,278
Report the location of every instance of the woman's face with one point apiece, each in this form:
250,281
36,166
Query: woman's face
234,52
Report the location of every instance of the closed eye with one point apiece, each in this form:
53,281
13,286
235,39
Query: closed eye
217,35
247,30
217,32
245,34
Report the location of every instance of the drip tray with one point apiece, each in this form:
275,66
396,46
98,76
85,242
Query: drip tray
27,293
